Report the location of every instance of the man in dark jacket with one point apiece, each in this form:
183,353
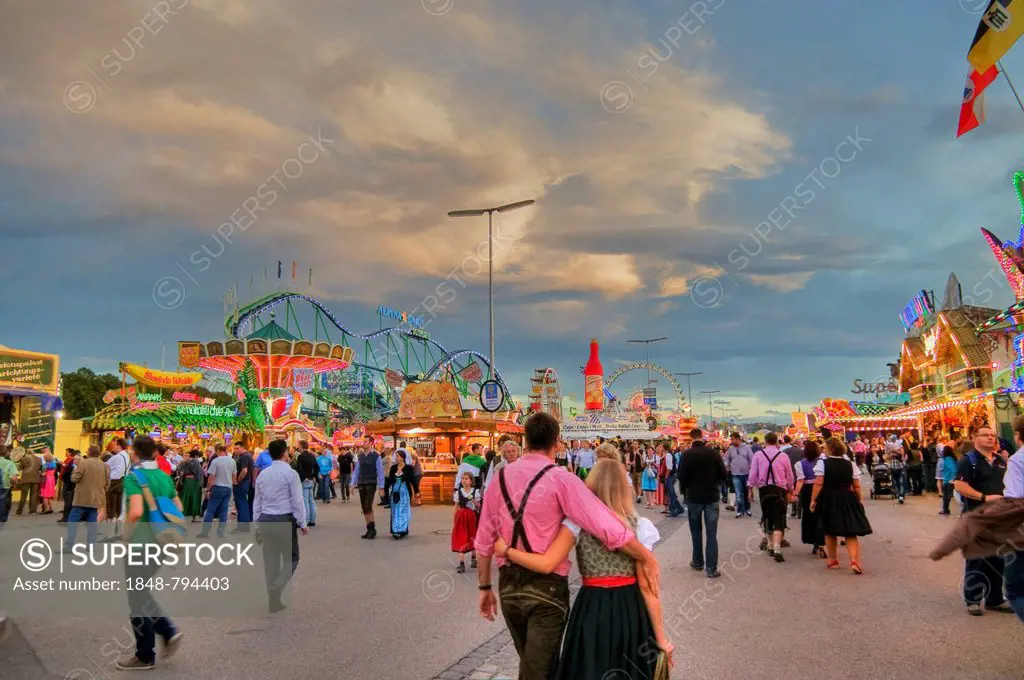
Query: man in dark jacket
308,469
701,474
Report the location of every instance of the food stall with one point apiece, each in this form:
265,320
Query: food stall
432,423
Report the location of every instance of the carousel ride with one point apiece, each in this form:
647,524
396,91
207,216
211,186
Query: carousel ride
337,378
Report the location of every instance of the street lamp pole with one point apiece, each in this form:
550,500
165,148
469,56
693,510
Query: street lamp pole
647,347
711,407
689,389
508,207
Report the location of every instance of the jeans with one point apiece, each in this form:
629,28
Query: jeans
307,499
147,617
739,483
899,483
947,496
1013,575
81,514
220,501
345,481
983,579
706,559
535,608
674,507
5,505
724,489
325,488
68,495
241,493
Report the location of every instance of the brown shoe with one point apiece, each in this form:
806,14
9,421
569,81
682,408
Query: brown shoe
132,663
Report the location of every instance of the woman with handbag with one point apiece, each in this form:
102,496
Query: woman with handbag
400,485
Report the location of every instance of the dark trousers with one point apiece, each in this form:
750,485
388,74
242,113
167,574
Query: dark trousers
928,475
704,516
334,492
947,496
983,580
241,494
148,619
68,495
346,482
724,490
535,608
916,475
280,536
251,498
1013,574
674,506
29,492
5,505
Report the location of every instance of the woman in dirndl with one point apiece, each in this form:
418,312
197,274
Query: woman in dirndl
400,483
467,514
616,627
649,483
810,523
836,497
190,472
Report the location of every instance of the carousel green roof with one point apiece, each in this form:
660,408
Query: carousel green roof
271,331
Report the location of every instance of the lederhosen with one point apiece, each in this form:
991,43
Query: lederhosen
773,500
535,606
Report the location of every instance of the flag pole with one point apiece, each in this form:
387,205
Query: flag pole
1009,82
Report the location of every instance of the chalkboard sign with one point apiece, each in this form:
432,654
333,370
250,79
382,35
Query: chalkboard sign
38,427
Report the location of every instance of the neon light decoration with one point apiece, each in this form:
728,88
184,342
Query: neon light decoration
917,311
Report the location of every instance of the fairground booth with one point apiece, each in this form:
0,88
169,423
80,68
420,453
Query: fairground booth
30,403
161,405
432,422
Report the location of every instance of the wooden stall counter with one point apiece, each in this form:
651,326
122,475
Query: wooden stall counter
438,485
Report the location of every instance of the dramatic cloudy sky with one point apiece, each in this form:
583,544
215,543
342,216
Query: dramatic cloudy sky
127,139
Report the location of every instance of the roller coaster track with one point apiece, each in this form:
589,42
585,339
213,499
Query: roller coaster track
240,322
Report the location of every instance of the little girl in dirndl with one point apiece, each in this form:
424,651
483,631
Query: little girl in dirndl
467,512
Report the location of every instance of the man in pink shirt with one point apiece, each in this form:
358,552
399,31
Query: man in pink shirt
525,506
772,475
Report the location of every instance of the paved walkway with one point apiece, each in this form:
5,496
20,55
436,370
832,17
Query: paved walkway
389,610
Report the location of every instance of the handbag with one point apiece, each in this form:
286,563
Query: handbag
661,669
165,519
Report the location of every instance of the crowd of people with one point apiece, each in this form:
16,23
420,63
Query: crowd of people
527,510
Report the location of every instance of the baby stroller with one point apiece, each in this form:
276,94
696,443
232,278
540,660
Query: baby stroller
881,481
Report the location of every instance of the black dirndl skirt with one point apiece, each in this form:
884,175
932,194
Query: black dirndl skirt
609,634
842,514
810,522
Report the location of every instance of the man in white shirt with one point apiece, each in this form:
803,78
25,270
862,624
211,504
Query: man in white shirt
584,460
280,513
118,465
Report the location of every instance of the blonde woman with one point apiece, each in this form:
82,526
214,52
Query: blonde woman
613,619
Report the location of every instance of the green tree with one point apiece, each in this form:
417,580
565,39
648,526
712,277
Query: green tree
83,390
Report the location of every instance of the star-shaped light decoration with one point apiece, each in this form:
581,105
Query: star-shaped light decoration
1010,254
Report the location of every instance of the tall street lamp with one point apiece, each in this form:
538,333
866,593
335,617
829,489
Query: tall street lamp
478,212
711,407
647,347
689,389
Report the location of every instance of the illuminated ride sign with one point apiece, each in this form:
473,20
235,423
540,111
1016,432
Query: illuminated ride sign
404,317
918,310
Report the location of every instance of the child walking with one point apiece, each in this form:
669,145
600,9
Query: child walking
467,512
